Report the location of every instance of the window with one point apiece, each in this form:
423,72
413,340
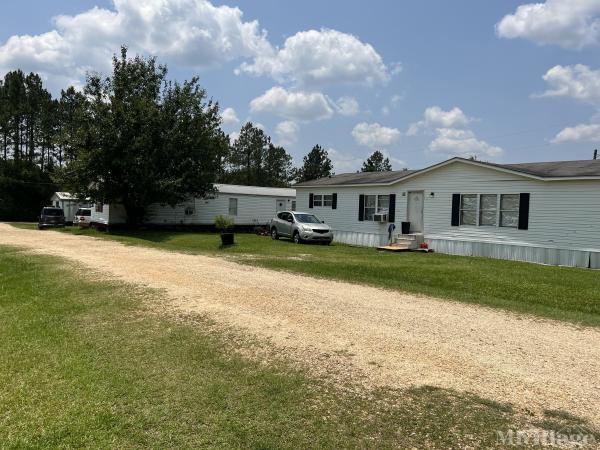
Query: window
189,210
383,204
57,204
468,209
376,204
509,210
370,206
323,200
293,205
233,206
99,207
488,210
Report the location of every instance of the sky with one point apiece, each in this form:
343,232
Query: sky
505,81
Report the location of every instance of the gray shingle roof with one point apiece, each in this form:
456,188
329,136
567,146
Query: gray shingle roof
358,178
558,169
553,169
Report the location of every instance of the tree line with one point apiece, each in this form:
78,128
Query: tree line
134,137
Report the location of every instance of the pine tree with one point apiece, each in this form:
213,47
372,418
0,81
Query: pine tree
376,163
315,165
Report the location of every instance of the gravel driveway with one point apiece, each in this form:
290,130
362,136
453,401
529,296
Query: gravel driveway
385,338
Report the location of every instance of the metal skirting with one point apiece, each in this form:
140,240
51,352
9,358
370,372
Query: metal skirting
516,252
498,250
359,238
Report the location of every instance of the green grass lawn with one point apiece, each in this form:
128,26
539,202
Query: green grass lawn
91,364
568,294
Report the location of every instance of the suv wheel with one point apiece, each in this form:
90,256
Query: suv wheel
297,239
274,234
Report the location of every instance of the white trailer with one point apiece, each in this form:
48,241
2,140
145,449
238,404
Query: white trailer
104,214
247,205
69,204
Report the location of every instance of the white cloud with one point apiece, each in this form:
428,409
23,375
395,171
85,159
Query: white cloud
374,135
567,23
578,82
435,116
192,33
287,132
299,105
347,106
229,116
314,58
464,143
233,136
579,133
393,104
345,162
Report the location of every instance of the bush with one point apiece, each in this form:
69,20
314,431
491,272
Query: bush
224,223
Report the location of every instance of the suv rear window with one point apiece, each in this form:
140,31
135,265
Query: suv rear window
52,212
83,212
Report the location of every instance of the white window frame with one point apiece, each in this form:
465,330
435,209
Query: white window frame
317,200
378,208
232,201
480,209
476,210
322,200
500,211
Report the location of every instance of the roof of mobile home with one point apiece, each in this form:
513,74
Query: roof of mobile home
65,196
255,190
547,171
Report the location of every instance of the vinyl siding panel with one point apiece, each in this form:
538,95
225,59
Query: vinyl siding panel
251,210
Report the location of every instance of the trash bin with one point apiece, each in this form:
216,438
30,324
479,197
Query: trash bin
405,227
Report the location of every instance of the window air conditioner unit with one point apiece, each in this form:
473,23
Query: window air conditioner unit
380,217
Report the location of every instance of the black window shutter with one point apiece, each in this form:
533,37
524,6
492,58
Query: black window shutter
310,200
334,201
455,210
392,208
524,211
361,207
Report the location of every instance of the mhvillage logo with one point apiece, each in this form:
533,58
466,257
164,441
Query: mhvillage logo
569,437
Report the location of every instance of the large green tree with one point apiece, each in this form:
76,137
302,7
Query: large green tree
376,163
278,170
143,139
254,160
246,156
315,165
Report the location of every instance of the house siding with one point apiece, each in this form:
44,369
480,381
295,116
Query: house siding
251,210
563,215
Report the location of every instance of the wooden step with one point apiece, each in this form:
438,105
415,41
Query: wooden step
394,248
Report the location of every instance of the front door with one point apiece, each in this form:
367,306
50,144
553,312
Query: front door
415,211
280,206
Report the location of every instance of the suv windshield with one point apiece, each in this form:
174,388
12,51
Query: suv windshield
307,218
83,212
52,212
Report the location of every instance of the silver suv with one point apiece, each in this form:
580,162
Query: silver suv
301,227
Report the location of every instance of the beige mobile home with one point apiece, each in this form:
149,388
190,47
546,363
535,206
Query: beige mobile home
540,212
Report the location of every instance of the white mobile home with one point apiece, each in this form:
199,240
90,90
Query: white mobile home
105,214
68,202
247,205
540,212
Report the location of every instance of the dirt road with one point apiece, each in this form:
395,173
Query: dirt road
390,338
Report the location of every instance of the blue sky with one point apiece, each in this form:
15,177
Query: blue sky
506,81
